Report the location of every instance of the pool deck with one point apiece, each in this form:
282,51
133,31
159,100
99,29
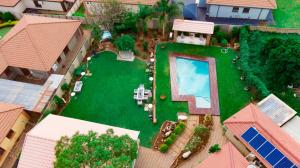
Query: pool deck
214,110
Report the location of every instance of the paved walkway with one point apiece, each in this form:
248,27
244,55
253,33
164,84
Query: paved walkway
149,158
180,142
216,137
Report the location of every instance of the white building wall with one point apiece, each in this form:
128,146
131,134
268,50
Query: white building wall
226,12
90,7
16,10
56,6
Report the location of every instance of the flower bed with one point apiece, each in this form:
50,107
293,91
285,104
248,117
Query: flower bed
168,135
197,142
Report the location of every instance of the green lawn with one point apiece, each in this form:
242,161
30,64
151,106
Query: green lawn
287,14
107,96
231,94
4,30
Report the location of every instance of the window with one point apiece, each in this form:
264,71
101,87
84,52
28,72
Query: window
59,60
10,134
246,10
235,9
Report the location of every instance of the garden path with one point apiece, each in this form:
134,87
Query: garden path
149,158
178,146
216,137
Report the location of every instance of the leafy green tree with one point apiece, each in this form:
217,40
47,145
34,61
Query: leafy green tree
125,43
281,59
128,23
144,14
7,16
93,150
165,11
214,148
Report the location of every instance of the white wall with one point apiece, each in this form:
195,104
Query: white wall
226,12
90,8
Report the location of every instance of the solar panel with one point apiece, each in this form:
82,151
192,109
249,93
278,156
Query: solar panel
249,134
265,149
284,163
257,141
268,151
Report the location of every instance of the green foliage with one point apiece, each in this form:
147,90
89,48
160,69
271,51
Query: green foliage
193,143
145,45
58,101
173,136
182,125
224,42
163,148
214,148
144,14
7,16
125,43
65,87
80,12
128,24
93,150
281,61
214,41
235,32
178,130
217,29
9,23
169,141
220,36
201,130
78,70
251,78
96,32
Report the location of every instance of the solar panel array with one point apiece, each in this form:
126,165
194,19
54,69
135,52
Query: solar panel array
268,151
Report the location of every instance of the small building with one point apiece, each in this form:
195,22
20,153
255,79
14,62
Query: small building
17,7
39,46
129,4
39,147
13,120
235,11
227,157
192,32
251,131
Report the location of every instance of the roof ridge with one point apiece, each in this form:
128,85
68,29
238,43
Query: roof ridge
20,107
34,46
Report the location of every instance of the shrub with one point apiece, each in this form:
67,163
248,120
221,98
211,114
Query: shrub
9,23
217,29
125,43
145,45
58,101
200,130
214,148
193,143
178,130
173,136
78,70
235,32
224,42
214,41
7,16
220,36
182,125
163,148
65,87
169,141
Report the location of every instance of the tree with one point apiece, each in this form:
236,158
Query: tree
93,150
108,12
7,16
125,43
281,61
214,148
128,23
144,14
165,11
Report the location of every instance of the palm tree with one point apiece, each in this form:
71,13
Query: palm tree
165,11
144,13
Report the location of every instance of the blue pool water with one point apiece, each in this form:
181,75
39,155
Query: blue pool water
193,79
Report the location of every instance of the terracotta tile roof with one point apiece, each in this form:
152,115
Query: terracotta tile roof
131,2
228,157
251,116
36,42
39,145
269,4
9,2
193,26
8,116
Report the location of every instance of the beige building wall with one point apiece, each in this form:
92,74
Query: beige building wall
18,128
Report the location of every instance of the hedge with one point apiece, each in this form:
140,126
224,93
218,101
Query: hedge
163,148
251,78
9,23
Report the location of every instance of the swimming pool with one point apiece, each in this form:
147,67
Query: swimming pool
193,79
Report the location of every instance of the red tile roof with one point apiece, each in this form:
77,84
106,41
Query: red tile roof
193,26
269,4
228,157
9,3
251,116
132,2
9,113
36,42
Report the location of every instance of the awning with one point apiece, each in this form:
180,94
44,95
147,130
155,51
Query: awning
193,26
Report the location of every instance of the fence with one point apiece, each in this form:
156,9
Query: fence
74,8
